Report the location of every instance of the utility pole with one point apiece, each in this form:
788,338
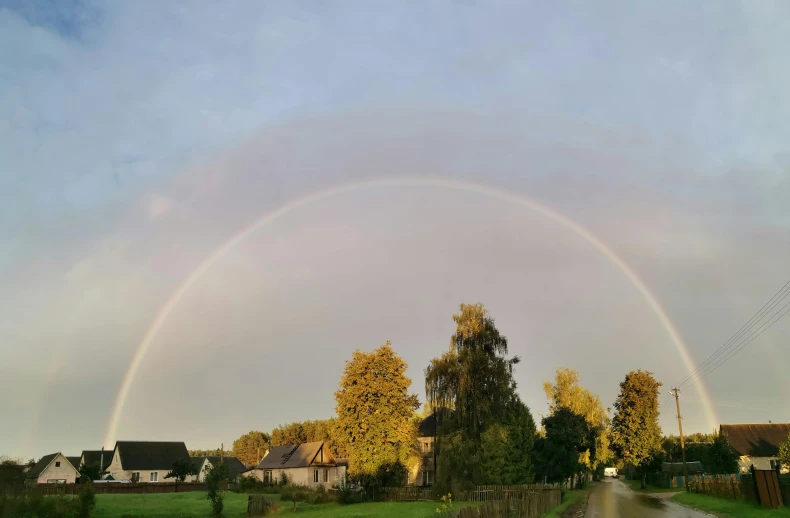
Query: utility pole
676,392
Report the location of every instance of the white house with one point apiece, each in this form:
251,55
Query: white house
54,468
145,461
757,444
205,463
309,464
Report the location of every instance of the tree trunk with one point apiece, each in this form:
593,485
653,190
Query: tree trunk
644,480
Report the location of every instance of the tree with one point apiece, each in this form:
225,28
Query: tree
216,475
205,453
374,412
720,457
182,468
557,454
566,392
636,434
311,431
472,391
784,453
90,472
250,447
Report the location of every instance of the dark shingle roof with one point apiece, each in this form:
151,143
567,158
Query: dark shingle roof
427,427
75,461
94,457
150,455
42,464
756,440
235,466
291,456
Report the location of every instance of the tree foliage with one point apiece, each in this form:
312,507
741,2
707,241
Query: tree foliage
205,453
636,434
251,447
374,412
216,475
486,432
566,392
557,454
784,453
90,472
182,468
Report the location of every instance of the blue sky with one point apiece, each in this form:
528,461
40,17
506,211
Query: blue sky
139,136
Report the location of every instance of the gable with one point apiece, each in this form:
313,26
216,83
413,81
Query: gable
49,460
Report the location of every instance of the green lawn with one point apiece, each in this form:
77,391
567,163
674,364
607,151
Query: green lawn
637,486
571,497
194,504
729,508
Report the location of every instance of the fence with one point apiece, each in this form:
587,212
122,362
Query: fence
407,494
533,505
494,493
121,488
722,486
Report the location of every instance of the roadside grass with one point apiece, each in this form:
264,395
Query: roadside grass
195,505
636,486
571,497
729,508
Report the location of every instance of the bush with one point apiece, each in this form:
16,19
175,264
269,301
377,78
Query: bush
34,505
87,500
346,495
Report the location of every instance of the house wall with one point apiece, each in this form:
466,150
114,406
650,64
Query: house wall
63,472
745,462
424,462
305,476
118,473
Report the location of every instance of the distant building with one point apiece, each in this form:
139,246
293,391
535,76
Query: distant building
54,468
310,464
205,463
96,457
145,461
423,472
757,444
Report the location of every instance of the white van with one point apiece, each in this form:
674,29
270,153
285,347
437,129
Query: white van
610,472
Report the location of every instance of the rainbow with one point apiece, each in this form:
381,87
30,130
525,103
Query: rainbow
564,221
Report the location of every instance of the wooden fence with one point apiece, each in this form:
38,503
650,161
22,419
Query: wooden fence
407,494
260,505
121,488
494,493
722,486
533,505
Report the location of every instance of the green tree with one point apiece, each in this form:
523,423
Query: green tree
310,431
566,392
251,447
374,412
216,475
720,457
636,434
567,434
90,472
471,389
182,468
205,453
784,453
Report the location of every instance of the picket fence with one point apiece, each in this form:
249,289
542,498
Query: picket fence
260,505
722,486
476,494
532,505
121,488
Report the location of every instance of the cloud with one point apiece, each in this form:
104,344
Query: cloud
158,206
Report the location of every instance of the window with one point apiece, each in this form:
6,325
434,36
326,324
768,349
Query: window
326,475
135,476
315,476
267,476
426,478
56,481
154,477
57,464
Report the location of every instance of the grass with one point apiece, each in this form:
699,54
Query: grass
571,497
194,504
636,485
729,508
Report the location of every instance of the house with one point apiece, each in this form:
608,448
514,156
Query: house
96,457
205,463
309,464
757,444
423,472
54,468
145,461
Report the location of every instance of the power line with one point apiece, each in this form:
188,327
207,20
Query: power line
739,334
730,404
777,316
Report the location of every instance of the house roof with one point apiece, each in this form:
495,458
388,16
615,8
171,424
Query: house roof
290,456
45,461
150,454
427,427
235,466
95,456
756,440
75,461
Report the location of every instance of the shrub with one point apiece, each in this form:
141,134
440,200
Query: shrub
346,495
87,501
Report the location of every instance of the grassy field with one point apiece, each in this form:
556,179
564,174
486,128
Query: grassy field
729,508
571,497
194,504
636,486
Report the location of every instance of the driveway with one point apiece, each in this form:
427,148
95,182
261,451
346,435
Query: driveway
613,499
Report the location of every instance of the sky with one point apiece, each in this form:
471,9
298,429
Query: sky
136,138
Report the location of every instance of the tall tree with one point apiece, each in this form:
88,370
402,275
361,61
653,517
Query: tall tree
471,389
720,457
636,434
374,412
566,392
251,447
567,435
